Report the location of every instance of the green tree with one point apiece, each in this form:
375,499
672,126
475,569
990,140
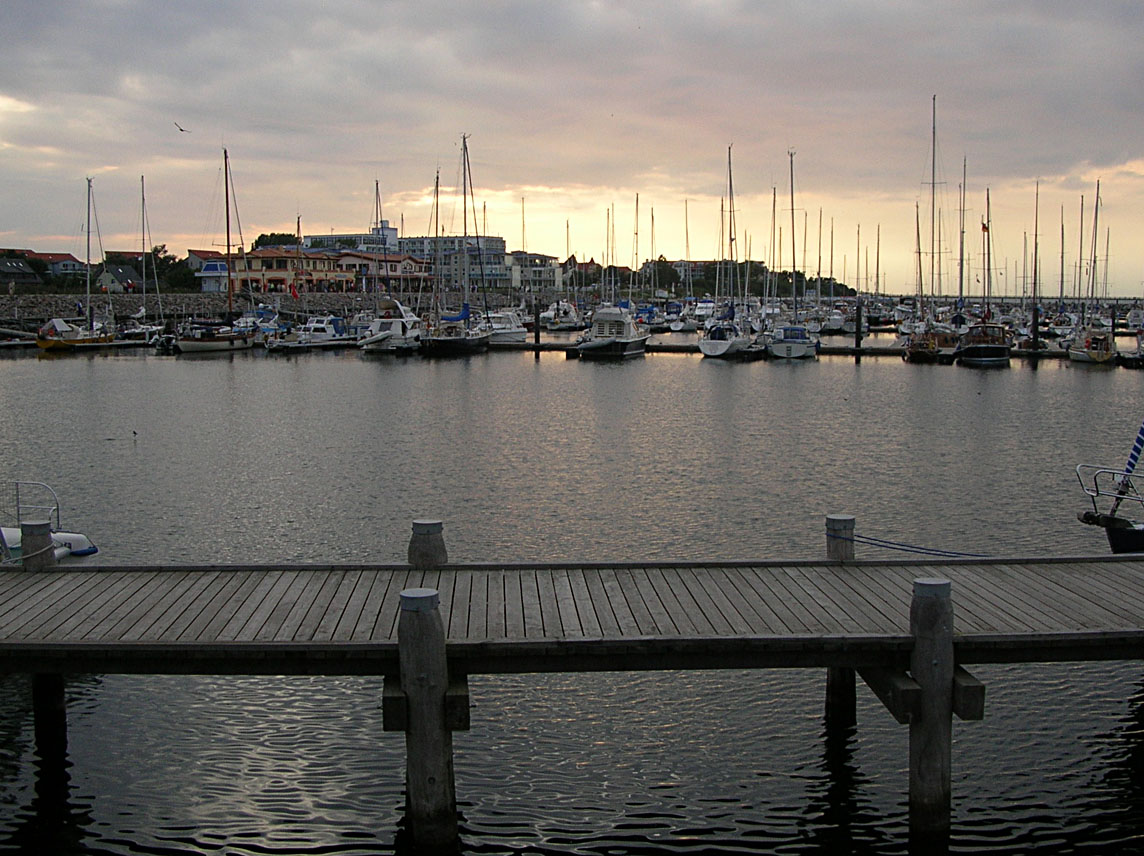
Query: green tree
274,239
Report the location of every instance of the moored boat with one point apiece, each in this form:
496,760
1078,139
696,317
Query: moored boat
42,504
613,335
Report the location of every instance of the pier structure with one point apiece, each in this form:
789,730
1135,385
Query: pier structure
909,629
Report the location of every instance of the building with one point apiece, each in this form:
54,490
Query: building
484,255
59,264
17,272
116,279
379,239
197,258
379,272
290,269
533,273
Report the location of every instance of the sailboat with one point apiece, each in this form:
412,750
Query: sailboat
724,336
213,337
62,335
449,335
986,343
792,341
1093,341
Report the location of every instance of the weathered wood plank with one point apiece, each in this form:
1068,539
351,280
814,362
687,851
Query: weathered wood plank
530,605
363,627
613,585
204,610
600,603
514,627
549,609
265,619
585,613
328,624
495,609
657,613
462,600
159,626
233,616
569,616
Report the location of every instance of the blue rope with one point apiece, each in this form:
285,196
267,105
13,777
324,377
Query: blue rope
906,548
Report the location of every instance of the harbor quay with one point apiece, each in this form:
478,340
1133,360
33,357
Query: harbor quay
911,630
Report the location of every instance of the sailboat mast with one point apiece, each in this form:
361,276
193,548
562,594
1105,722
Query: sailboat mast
793,257
226,197
143,238
961,243
933,200
87,266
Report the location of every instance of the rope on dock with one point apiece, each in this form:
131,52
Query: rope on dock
906,548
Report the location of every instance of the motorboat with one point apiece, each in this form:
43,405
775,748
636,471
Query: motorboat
319,331
395,329
505,327
614,334
37,501
985,343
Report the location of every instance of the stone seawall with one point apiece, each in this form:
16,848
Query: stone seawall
30,311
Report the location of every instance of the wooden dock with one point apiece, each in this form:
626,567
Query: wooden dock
536,618
909,629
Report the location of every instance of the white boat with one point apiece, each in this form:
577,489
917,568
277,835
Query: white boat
319,331
561,315
505,327
1094,345
791,342
62,335
614,335
395,329
724,339
37,501
726,335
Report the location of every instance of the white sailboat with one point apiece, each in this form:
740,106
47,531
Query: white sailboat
60,334
1093,341
725,336
792,341
455,334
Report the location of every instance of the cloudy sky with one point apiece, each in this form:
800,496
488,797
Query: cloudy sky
577,107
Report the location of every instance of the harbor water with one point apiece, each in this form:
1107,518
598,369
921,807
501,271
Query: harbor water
328,457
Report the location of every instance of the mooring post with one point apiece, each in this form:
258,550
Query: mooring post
841,701
49,717
536,326
931,729
431,792
427,545
858,331
36,550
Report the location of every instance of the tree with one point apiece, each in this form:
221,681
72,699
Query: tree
666,276
274,239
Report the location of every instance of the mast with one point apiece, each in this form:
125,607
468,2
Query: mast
793,257
143,240
87,266
933,201
226,197
961,243
985,236
1036,307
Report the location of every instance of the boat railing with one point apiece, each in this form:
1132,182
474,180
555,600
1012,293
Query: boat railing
42,503
1107,482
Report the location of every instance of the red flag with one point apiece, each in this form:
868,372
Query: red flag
984,228
293,291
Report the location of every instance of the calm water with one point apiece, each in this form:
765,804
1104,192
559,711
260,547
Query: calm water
329,457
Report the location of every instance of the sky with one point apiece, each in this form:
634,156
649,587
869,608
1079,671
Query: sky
572,109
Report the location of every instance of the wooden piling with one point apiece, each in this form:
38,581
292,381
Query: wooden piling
931,728
841,701
49,717
430,785
37,552
840,537
427,545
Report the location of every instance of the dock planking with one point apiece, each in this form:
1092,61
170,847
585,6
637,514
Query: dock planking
549,617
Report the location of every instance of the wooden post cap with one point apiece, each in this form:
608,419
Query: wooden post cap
931,587
35,527
428,527
419,600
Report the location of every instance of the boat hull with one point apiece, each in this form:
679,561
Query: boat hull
215,344
612,349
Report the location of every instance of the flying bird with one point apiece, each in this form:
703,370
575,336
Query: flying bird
181,128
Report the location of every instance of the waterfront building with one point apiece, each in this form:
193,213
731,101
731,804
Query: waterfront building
385,273
486,259
379,239
534,273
